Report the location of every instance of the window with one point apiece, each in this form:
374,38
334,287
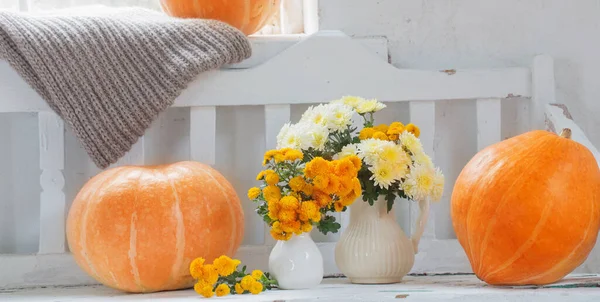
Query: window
294,16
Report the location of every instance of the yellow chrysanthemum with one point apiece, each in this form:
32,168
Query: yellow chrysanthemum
273,207
356,161
260,175
204,289
253,193
238,289
395,128
366,133
256,288
346,186
380,136
225,266
272,193
369,106
333,185
196,268
322,199
356,187
411,142
413,129
210,274
222,290
280,235
247,282
306,227
338,206
321,182
286,215
383,175
344,168
309,210
381,127
293,155
271,178
308,189
317,166
257,274
297,183
291,226
289,203
393,137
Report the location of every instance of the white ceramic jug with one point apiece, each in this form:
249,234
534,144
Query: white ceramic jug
373,249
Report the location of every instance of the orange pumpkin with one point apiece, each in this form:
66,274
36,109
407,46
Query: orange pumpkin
527,210
137,229
249,16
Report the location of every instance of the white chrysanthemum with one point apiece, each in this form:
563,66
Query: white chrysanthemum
421,158
315,115
369,106
411,142
347,150
383,175
438,185
369,150
338,116
419,182
352,101
302,136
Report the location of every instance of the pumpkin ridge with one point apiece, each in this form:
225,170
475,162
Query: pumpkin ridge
132,253
179,233
246,17
494,218
231,214
84,221
558,265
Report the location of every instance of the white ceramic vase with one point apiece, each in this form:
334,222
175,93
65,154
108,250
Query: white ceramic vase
296,263
373,249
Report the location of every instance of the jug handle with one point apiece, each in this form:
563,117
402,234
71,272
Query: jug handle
421,223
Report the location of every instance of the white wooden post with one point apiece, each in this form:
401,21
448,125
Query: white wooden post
543,89
489,116
203,134
135,156
275,117
52,181
422,114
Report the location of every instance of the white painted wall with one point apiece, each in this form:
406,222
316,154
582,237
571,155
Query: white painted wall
456,34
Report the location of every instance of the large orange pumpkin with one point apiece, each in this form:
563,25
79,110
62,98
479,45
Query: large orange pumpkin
249,16
527,210
138,228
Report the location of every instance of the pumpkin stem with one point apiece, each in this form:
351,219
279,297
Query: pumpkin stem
566,133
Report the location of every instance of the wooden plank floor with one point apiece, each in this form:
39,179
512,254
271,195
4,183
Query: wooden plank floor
461,288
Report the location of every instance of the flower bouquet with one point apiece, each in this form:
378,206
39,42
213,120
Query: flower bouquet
312,165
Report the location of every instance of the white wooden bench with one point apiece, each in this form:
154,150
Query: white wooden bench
229,117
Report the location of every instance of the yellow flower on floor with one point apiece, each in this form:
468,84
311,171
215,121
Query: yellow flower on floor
260,175
225,266
257,274
256,288
210,274
253,193
247,282
205,290
222,290
196,268
238,289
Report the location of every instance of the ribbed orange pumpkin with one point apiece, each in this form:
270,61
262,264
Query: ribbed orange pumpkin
137,229
527,210
249,16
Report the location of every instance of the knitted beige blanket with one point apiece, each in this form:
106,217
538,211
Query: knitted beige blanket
108,74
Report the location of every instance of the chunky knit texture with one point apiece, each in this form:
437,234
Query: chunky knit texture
108,74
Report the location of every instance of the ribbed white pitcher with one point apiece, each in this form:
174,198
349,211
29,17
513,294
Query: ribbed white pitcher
373,249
